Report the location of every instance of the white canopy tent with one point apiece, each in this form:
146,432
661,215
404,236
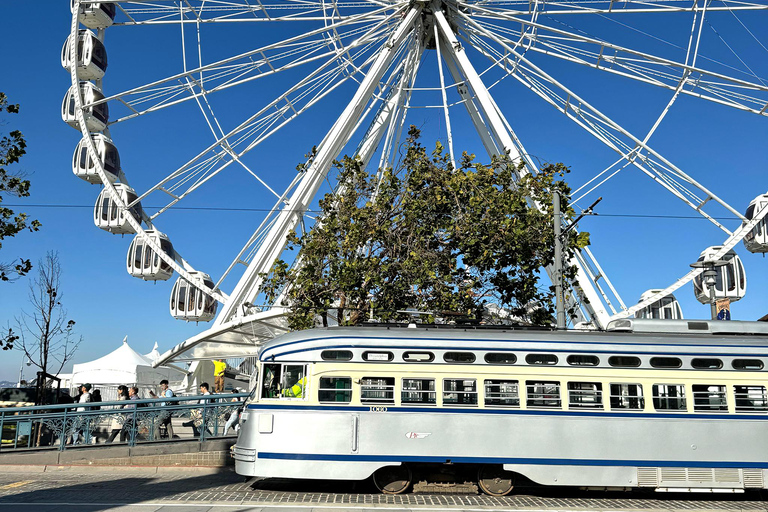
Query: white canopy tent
124,366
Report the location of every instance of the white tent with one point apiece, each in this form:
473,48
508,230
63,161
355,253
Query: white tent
124,366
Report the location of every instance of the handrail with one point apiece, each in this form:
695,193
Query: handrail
135,420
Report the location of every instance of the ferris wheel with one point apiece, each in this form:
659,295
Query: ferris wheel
214,103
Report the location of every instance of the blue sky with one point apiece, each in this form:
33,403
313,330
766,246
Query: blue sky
722,148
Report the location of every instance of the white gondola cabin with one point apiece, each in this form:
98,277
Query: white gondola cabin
83,165
757,239
108,216
144,262
91,56
730,281
666,308
96,116
190,303
95,14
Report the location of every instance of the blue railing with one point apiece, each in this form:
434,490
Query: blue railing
125,421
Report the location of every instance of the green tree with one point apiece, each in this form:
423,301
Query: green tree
428,237
12,148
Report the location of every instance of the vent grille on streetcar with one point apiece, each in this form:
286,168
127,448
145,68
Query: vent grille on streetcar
753,478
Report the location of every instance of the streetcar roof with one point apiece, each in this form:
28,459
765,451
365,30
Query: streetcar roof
630,336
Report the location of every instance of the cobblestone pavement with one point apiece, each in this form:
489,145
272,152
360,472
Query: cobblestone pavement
180,491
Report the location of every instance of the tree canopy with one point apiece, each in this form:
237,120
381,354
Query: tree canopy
12,148
425,236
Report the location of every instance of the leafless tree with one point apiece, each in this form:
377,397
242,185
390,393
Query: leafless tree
46,336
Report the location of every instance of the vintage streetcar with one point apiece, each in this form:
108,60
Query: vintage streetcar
673,405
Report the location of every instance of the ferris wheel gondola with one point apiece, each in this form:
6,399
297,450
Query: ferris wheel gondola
96,115
91,56
143,262
94,14
83,165
111,215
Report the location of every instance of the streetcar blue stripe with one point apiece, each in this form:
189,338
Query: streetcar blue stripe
512,460
525,412
521,349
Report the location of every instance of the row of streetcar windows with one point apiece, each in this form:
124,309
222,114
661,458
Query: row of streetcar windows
286,380
544,359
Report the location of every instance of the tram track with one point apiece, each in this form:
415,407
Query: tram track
116,488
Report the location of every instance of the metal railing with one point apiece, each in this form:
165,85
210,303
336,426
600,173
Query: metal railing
64,426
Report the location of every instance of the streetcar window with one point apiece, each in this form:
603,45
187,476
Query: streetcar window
459,392
418,357
750,398
587,395
541,359
669,397
271,381
706,364
627,396
335,389
708,397
459,357
293,381
418,391
378,356
666,362
377,390
624,361
542,394
336,355
287,381
582,360
747,364
500,358
504,393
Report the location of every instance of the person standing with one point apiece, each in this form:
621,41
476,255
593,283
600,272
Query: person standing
129,427
117,426
78,429
219,367
165,417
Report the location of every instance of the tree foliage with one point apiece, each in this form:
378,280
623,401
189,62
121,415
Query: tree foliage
12,148
45,334
449,242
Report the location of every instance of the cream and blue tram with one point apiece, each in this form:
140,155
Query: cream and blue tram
669,405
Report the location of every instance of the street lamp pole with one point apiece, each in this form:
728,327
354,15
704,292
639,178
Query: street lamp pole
709,279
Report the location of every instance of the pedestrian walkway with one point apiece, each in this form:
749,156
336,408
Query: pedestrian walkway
177,489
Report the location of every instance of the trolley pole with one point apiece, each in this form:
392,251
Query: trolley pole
560,306
559,236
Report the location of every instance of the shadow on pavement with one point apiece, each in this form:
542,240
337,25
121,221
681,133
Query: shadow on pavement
97,491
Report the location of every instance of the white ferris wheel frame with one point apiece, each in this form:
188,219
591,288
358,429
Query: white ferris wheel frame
239,328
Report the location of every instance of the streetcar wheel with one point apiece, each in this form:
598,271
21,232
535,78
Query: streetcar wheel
495,481
393,479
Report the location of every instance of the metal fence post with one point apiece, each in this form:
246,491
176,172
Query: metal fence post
63,439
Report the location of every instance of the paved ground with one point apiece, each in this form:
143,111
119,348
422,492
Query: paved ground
134,489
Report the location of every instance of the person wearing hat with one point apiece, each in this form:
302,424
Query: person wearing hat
85,395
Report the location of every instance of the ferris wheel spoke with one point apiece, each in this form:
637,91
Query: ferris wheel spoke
244,11
265,61
632,149
605,7
380,123
235,144
651,69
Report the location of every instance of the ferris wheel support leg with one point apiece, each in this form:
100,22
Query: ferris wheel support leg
250,283
494,124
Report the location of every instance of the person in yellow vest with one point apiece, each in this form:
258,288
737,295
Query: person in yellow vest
219,366
297,390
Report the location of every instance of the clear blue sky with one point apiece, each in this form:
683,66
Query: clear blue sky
723,148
